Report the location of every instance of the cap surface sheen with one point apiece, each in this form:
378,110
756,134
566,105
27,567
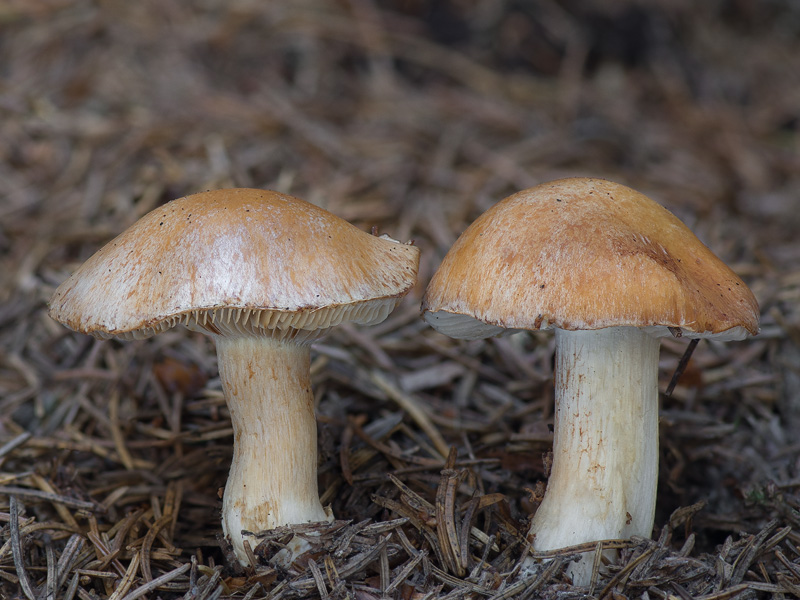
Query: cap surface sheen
249,258
584,254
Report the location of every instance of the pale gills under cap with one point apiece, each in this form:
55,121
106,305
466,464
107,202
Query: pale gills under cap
236,260
585,254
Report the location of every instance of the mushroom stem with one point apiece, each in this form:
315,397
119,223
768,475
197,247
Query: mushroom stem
605,450
273,476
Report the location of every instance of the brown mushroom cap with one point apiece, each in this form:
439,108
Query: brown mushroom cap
236,260
584,254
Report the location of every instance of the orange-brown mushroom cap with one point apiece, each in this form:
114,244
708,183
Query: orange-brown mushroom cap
236,259
584,253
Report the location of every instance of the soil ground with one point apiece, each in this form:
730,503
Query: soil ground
414,118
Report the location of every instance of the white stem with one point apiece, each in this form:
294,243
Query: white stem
605,450
273,477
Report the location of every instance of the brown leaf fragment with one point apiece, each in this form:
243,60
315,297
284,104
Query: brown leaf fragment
16,549
156,583
791,587
318,579
68,558
402,575
447,526
177,376
50,586
751,552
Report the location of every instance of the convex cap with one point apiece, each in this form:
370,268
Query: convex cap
236,260
584,253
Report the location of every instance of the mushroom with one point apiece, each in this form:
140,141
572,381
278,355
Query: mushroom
264,274
610,271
